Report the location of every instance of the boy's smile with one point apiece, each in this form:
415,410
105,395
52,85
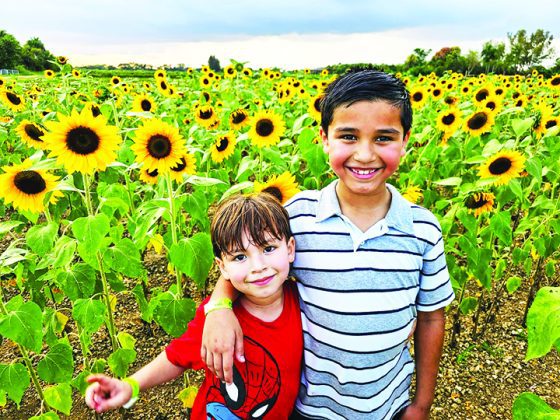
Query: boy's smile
365,143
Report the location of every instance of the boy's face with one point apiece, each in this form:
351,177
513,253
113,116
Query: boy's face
365,143
257,272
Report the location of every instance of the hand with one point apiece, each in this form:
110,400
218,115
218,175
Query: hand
106,393
222,336
415,412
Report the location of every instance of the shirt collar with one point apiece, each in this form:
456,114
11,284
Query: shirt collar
398,217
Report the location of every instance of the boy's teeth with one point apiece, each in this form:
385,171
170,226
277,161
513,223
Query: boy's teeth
364,171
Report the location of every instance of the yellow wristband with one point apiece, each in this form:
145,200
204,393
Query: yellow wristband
135,391
224,303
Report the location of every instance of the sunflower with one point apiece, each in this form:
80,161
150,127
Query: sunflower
76,73
412,194
554,81
283,187
315,107
230,72
502,167
158,145
144,103
449,120
324,72
418,97
479,203
81,142
205,81
160,74
546,122
205,115
149,177
61,59
479,122
482,94
49,74
266,128
2,82
185,166
12,100
162,85
26,188
493,104
93,108
223,148
31,134
247,72
116,80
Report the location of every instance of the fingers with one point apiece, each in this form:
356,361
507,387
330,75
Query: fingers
227,365
218,366
239,351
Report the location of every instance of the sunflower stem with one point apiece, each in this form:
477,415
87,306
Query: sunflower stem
26,358
83,347
47,215
173,227
106,294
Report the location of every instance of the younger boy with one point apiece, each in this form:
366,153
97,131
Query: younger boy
369,265
254,247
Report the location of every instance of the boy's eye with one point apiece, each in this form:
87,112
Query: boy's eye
269,248
239,257
384,139
350,137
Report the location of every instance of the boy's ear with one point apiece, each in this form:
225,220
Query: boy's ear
324,139
291,249
405,142
222,268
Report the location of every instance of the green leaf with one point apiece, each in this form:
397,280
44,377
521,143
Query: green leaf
49,415
99,366
520,126
78,282
173,314
550,268
451,182
468,305
194,257
24,326
312,153
196,204
80,383
203,181
513,283
234,190
58,364
145,310
90,230
528,406
126,340
59,397
534,168
5,227
3,399
89,314
500,223
40,238
120,360
14,380
543,323
124,258
64,251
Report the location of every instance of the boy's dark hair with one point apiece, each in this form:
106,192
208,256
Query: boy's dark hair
366,85
256,214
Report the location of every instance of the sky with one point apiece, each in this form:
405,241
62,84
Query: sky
288,34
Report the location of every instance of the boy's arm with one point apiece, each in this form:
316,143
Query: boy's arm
428,344
222,335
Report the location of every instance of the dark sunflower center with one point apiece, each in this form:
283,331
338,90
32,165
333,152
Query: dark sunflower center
499,91
163,85
436,92
180,166
274,191
153,173
206,81
30,182
500,166
206,96
317,104
205,114
34,132
417,96
481,95
145,105
13,98
477,121
95,111
159,146
519,103
475,201
224,142
555,81
82,140
516,95
115,81
551,123
238,117
491,105
448,119
230,71
264,127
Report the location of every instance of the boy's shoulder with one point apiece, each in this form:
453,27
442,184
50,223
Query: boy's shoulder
306,200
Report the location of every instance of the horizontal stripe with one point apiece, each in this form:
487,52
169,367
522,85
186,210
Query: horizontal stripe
355,352
332,311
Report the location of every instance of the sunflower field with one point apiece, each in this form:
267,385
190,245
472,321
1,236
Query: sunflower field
97,172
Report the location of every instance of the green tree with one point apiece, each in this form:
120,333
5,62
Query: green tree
10,51
529,50
493,57
214,63
35,56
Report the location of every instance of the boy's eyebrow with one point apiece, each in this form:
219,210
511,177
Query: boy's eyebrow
381,130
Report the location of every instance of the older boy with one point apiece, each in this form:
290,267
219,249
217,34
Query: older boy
369,265
254,247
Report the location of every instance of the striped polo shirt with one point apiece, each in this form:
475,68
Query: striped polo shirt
359,296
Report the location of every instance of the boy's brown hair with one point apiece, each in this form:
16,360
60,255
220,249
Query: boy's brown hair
255,214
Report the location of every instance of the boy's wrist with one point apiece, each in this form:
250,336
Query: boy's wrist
135,391
214,305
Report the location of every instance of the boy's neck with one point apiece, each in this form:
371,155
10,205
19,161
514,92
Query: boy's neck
268,309
363,210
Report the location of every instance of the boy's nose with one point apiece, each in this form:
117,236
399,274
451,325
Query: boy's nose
257,264
364,152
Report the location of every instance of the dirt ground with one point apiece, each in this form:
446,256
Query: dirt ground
478,380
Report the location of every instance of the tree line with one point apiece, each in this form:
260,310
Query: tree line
523,52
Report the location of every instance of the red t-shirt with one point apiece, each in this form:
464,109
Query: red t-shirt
267,384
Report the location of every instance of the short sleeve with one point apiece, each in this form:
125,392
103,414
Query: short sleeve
435,286
185,350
